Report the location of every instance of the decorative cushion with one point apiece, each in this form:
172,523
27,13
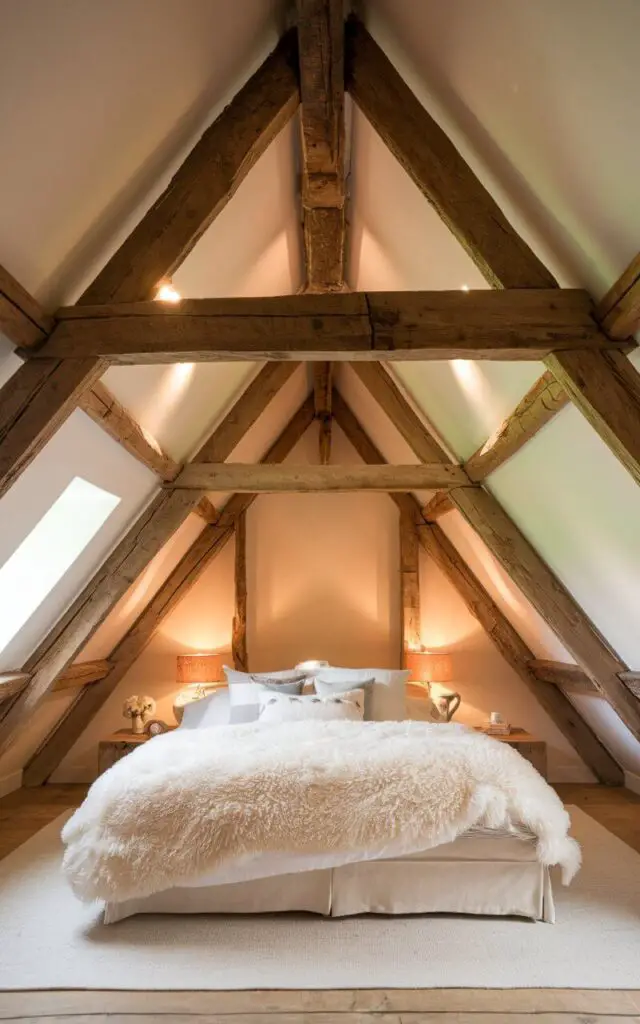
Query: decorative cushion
245,689
334,687
281,707
387,702
212,710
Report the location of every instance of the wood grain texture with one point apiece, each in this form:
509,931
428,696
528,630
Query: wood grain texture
537,408
81,674
439,505
322,387
12,683
619,310
239,625
236,476
206,546
569,677
516,653
21,319
34,403
409,585
205,182
549,597
515,324
606,390
321,57
105,410
206,510
436,167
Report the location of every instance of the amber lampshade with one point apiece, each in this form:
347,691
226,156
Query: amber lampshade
429,666
201,668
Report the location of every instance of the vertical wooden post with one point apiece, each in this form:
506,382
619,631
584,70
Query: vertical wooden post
239,629
322,388
410,584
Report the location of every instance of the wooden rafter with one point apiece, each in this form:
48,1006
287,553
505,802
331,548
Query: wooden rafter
11,684
571,677
206,510
409,583
145,537
531,573
83,673
21,319
619,310
236,476
485,610
205,182
439,505
239,626
206,547
322,386
515,324
321,55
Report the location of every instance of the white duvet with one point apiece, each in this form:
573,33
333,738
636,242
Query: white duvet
191,803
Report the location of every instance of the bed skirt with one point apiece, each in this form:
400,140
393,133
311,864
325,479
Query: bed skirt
493,877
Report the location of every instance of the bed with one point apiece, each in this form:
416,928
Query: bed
305,806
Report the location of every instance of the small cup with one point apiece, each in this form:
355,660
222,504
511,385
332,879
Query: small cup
495,718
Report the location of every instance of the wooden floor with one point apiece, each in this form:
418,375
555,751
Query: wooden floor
25,812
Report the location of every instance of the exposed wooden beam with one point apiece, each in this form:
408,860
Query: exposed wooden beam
487,612
436,167
321,55
205,182
322,397
549,597
558,673
516,653
206,546
21,318
105,410
538,407
81,674
409,584
439,505
34,403
206,510
11,684
239,626
522,324
619,310
236,476
606,390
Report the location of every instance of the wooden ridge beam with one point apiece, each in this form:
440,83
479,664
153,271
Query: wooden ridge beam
321,56
484,609
619,311
82,673
239,625
540,404
436,167
322,387
514,324
205,182
207,545
236,476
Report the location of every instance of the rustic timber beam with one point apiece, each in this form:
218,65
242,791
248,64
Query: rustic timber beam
242,478
558,673
207,545
206,510
322,386
239,625
81,674
619,311
439,505
205,182
485,610
321,56
11,684
21,319
436,167
409,584
515,324
538,407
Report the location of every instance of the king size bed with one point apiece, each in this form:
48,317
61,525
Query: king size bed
270,799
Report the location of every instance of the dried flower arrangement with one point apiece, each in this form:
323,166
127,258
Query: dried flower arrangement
138,709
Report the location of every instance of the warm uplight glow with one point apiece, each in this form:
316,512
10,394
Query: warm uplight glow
464,287
167,293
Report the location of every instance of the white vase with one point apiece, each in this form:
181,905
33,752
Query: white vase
137,725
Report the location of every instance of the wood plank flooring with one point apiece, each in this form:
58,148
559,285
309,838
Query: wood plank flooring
24,812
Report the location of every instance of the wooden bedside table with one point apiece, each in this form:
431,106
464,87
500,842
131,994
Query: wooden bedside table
118,745
532,749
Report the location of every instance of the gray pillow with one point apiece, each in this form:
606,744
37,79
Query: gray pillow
245,689
330,688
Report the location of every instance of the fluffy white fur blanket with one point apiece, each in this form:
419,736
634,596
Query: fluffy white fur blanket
187,802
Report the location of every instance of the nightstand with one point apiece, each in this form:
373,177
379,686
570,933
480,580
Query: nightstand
118,745
532,749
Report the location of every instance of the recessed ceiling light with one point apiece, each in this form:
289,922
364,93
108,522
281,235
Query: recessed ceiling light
167,293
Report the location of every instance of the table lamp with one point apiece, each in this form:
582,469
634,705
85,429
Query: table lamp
198,675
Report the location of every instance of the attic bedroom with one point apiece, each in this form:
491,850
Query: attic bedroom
319,467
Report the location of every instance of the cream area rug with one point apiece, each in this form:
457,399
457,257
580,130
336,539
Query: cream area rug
50,940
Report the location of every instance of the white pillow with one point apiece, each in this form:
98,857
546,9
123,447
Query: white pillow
212,710
245,687
387,701
283,707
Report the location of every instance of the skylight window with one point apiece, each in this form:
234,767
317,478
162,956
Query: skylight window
49,551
